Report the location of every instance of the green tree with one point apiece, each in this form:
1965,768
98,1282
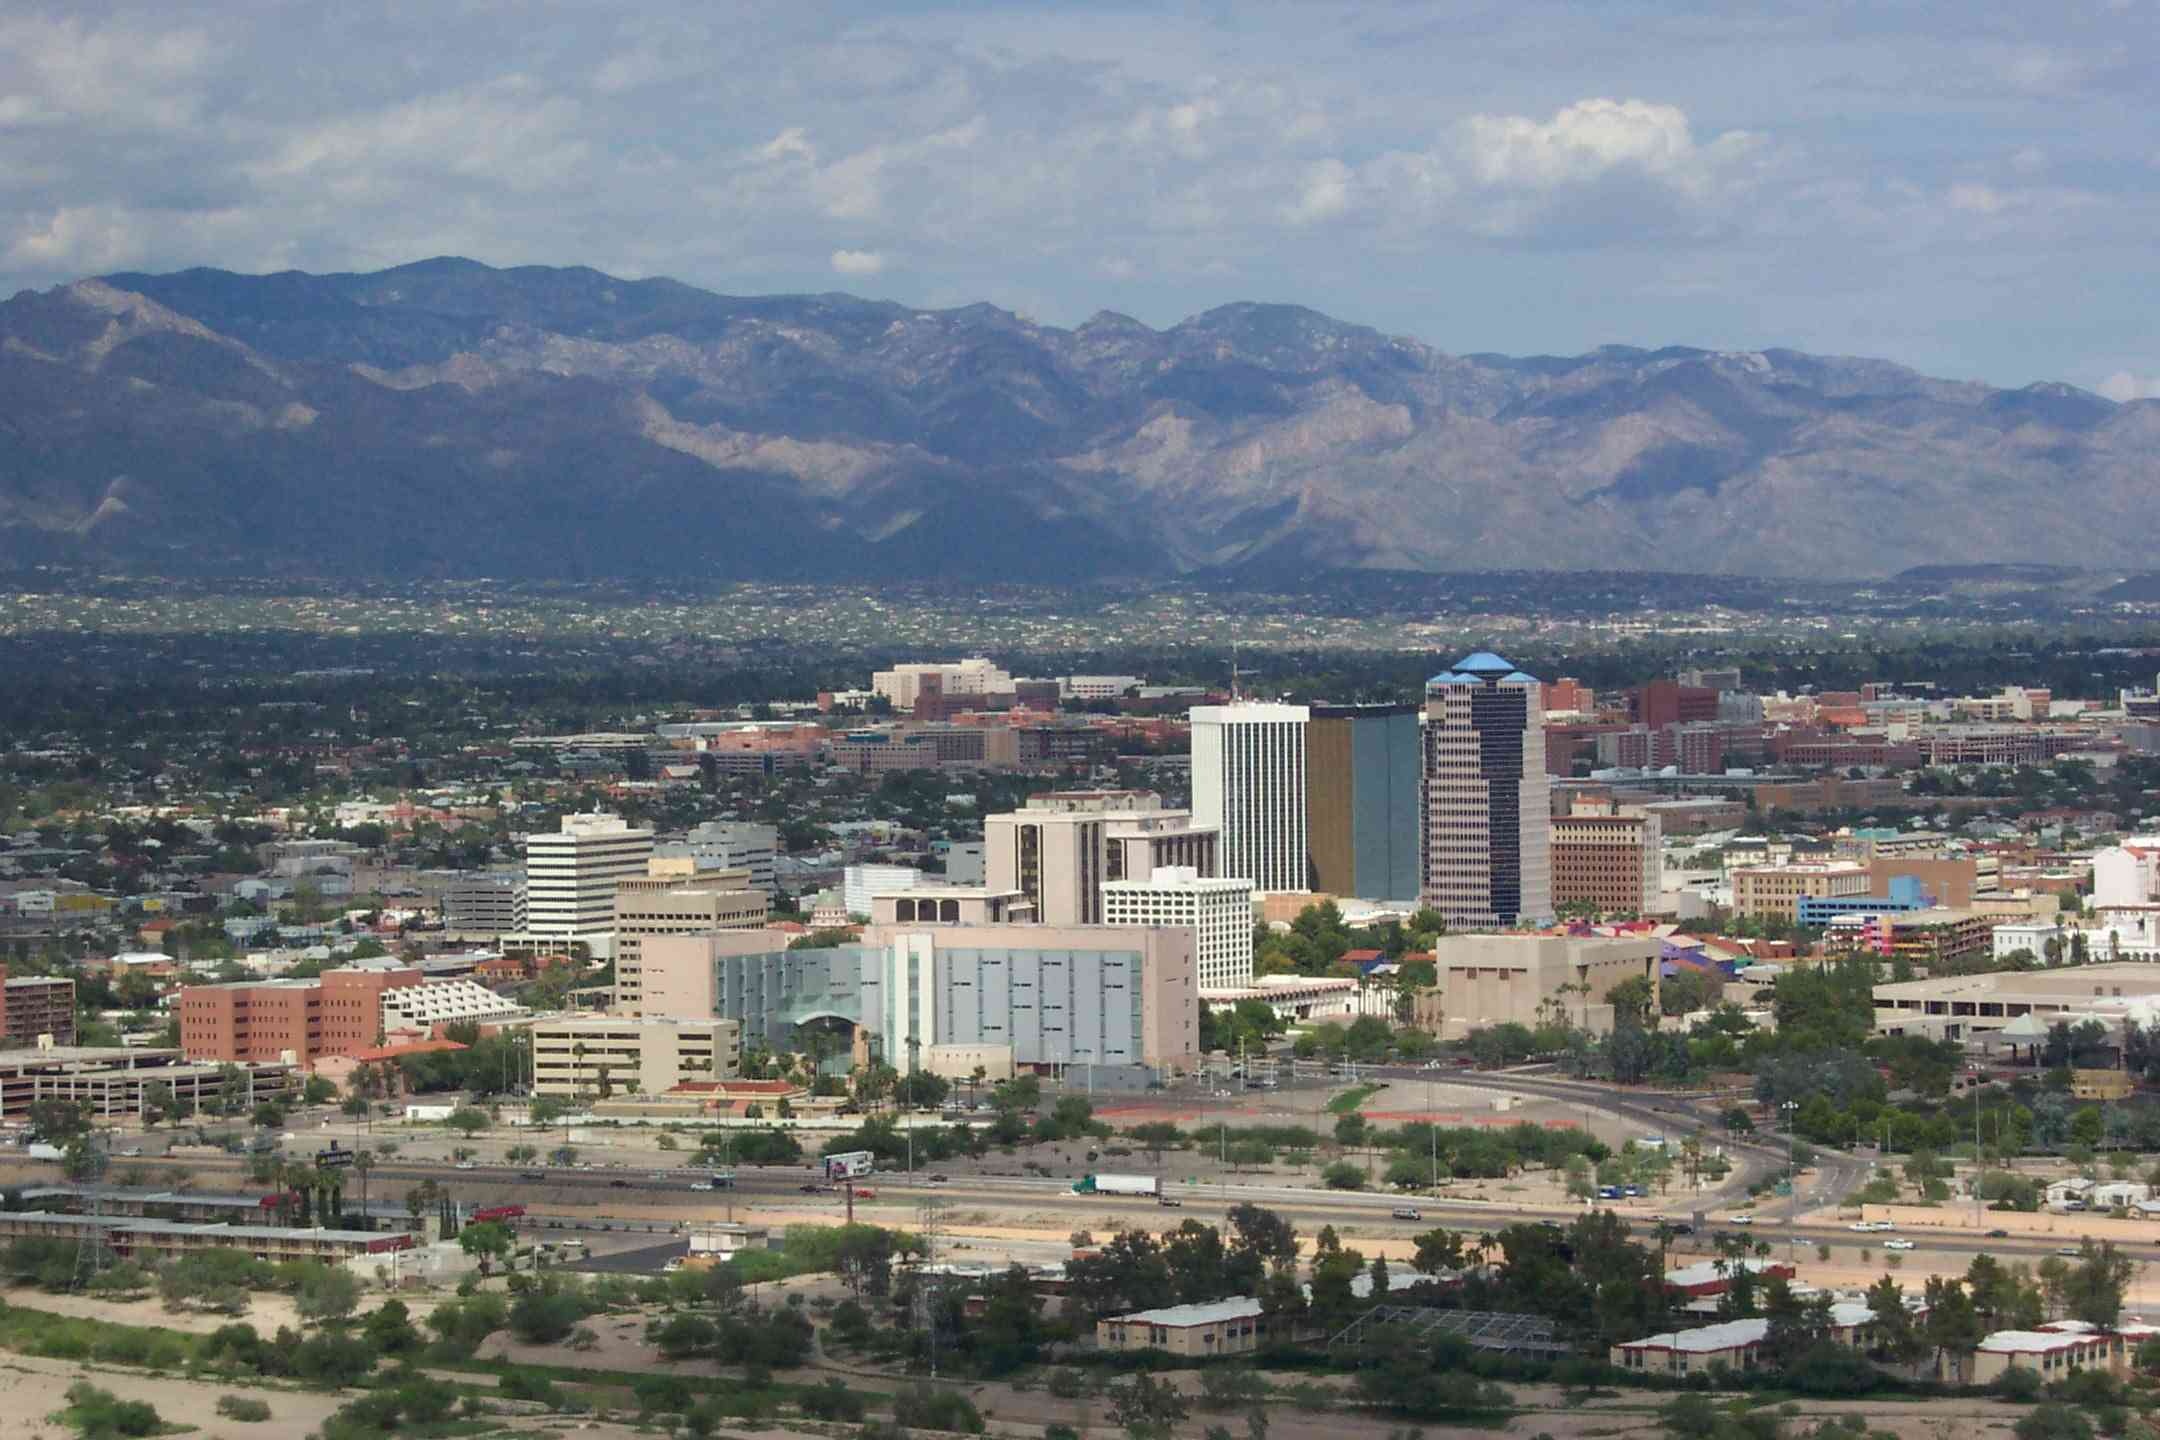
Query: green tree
2093,1289
326,1293
488,1241
1147,1408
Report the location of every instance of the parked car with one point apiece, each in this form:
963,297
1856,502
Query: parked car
1407,1212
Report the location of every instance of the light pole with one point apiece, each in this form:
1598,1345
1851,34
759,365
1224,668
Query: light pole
1090,1053
1791,1110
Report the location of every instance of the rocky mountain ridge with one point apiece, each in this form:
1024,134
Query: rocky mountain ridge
446,418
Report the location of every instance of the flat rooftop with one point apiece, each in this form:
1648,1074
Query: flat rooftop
2116,981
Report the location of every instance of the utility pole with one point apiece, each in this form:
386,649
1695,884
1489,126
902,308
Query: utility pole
1791,1109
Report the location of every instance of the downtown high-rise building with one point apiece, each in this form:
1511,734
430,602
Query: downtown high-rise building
1364,765
1065,845
570,875
1248,782
1486,803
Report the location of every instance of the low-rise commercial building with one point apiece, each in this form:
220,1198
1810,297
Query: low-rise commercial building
158,1240
1218,1327
2052,1352
1775,891
1487,980
1981,1007
603,1055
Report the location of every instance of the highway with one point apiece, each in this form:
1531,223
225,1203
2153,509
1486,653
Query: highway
579,1192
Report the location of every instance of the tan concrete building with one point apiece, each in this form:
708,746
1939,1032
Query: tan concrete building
933,904
676,904
1981,1007
1775,891
644,1055
1219,1327
1613,862
1064,845
1487,980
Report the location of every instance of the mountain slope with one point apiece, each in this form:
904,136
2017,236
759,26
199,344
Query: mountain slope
446,418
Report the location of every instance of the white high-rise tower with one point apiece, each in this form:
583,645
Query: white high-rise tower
1248,781
570,876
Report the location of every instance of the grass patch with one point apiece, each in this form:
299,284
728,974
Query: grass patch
1350,1099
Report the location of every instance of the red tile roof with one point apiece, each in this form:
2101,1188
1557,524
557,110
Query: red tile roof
410,1047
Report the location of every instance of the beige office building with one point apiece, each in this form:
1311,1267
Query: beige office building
603,1056
1775,891
1488,980
676,904
1064,846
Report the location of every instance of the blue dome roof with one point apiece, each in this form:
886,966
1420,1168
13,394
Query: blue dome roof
1480,666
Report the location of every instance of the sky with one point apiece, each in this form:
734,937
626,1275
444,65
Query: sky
1969,188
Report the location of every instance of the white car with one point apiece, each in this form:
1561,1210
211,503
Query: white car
1742,1220
701,1185
1884,1225
1861,1227
1897,1245
467,1165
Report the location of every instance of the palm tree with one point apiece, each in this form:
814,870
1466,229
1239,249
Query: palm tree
362,1164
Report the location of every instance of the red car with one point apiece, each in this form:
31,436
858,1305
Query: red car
864,1192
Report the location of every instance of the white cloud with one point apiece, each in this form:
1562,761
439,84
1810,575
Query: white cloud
507,132
792,143
117,74
2028,160
1977,199
84,240
1323,194
2122,385
858,262
1594,138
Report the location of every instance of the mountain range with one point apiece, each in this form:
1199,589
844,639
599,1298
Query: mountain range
450,419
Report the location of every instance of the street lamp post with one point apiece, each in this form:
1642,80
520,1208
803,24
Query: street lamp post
1791,1110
